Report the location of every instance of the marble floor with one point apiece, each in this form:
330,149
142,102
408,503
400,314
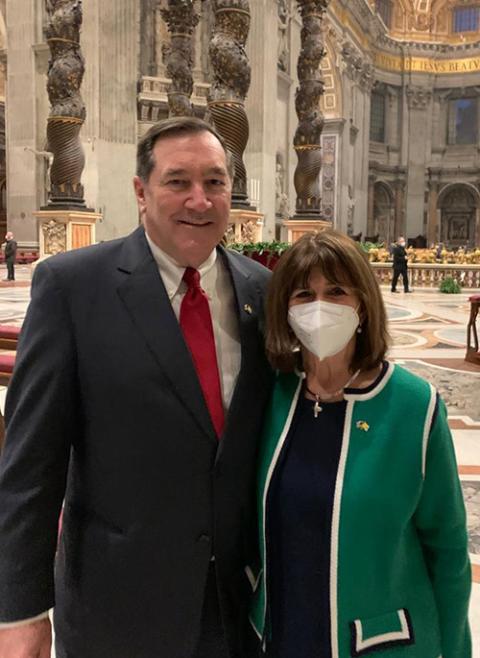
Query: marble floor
428,332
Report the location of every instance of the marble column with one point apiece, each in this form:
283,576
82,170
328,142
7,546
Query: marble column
419,108
230,84
21,112
371,201
399,222
265,125
111,46
432,219
67,109
182,19
307,102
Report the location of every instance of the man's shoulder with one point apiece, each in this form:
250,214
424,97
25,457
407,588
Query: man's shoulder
249,266
86,259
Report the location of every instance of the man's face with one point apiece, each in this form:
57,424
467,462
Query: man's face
185,203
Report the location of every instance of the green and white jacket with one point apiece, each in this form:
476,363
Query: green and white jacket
399,568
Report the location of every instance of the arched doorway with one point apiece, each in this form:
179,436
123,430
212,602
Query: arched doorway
383,212
458,206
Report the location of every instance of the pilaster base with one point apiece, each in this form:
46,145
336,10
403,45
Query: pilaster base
298,227
245,226
64,230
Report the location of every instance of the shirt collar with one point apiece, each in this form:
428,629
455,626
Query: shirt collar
171,272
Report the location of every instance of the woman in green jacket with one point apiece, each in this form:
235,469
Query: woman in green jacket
363,542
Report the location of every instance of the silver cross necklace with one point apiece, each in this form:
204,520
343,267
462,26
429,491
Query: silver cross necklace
328,396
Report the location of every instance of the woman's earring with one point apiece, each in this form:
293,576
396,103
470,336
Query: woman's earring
359,329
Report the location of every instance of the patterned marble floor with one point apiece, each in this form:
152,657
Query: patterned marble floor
428,332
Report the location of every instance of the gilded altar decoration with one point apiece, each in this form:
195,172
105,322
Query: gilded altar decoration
181,20
307,104
230,85
67,112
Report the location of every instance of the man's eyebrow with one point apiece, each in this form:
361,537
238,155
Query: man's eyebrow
175,172
219,171
211,171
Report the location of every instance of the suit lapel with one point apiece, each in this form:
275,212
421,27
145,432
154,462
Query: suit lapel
248,297
147,302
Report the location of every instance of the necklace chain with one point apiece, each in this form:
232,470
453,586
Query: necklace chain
329,396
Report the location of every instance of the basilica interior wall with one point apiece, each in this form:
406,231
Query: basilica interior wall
368,186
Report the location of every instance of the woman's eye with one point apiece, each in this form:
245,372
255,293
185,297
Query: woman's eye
302,294
337,291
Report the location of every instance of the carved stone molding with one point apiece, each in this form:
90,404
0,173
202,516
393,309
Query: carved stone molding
357,67
67,113
418,97
307,104
230,85
181,19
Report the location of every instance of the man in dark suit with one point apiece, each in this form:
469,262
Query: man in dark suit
138,396
400,265
10,255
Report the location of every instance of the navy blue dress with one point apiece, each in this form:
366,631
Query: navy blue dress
299,519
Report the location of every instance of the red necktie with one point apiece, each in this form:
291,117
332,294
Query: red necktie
196,325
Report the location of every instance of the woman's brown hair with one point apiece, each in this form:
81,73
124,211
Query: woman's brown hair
341,261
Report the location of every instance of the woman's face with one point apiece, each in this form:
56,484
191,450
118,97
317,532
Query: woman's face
319,289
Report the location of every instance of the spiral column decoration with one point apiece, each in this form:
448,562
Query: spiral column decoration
230,85
67,111
307,105
181,20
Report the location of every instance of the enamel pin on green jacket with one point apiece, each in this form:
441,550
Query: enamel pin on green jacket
399,569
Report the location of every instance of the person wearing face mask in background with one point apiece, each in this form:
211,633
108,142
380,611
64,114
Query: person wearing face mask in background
361,520
400,265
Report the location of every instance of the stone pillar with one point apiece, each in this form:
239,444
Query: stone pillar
399,224
230,85
265,126
148,31
110,41
20,114
307,102
181,19
371,205
419,101
432,219
477,227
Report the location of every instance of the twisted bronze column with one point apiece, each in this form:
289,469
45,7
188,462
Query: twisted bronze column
67,112
307,104
230,84
181,20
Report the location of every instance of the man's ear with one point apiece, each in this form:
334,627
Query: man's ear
139,187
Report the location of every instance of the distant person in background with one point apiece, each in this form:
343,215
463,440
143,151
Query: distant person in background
10,255
400,264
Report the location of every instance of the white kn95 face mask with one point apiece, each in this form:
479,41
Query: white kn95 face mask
322,327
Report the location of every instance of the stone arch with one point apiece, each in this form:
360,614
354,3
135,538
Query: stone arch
459,206
331,103
383,211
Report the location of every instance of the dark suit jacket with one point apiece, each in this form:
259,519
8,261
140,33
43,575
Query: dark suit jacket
10,250
399,257
104,389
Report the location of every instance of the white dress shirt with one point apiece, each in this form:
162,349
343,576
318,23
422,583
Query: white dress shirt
216,282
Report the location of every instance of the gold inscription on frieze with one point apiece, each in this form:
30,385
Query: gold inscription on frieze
423,65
